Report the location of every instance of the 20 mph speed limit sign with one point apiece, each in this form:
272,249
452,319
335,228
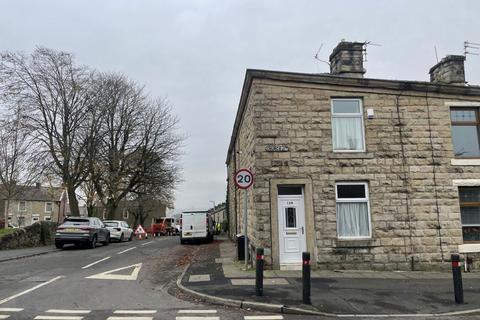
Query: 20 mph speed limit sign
243,178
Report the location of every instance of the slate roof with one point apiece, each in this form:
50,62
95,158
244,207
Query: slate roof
35,193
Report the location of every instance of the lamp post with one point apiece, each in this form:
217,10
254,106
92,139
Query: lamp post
213,211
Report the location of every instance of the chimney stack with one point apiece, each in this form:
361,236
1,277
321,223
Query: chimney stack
450,70
347,60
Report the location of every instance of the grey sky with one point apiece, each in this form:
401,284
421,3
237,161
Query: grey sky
196,52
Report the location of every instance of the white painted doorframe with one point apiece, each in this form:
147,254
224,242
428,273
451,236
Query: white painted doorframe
291,230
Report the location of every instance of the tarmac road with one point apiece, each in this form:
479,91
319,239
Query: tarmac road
130,280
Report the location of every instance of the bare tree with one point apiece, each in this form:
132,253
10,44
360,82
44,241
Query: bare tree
139,144
59,103
19,166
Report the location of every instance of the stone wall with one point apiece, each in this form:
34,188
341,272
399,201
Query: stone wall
37,234
415,215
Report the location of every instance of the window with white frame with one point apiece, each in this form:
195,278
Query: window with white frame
47,218
48,206
347,125
353,210
470,212
465,132
125,213
22,206
35,218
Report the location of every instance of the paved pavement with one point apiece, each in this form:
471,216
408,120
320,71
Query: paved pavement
6,255
129,280
345,293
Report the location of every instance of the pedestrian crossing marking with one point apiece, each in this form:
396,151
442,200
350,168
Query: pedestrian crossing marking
130,318
267,317
197,318
67,311
48,317
134,311
4,316
11,309
197,311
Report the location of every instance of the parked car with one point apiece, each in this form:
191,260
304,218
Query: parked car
119,230
196,226
79,230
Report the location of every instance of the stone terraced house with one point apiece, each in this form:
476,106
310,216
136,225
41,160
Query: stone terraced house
362,173
33,204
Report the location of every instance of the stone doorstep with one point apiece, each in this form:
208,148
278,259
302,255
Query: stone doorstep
266,282
199,278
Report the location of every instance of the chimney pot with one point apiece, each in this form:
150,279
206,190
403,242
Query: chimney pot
450,70
347,60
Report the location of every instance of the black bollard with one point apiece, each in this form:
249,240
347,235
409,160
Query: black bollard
306,277
259,273
457,278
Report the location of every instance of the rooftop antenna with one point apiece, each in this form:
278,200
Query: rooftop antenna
365,45
470,48
316,55
436,54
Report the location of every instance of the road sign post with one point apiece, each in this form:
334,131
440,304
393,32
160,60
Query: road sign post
244,180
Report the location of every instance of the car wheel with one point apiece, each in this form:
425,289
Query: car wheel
121,238
107,240
182,241
59,245
93,243
131,237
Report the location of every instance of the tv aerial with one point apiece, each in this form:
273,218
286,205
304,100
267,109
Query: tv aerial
316,57
470,48
365,45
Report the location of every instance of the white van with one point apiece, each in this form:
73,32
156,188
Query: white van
196,225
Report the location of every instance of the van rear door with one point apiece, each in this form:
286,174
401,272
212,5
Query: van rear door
194,225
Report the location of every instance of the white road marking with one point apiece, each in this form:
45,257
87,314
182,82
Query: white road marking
94,263
130,318
197,318
30,290
11,309
197,311
67,311
134,311
144,244
107,275
126,250
4,316
58,318
275,317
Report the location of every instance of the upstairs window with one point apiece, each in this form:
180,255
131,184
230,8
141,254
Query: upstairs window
347,125
465,126
22,206
48,206
470,213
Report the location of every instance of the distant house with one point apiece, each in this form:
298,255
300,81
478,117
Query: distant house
219,212
131,212
33,204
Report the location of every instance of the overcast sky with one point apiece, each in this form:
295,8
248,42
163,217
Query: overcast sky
196,53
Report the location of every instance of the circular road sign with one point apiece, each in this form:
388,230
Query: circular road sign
243,178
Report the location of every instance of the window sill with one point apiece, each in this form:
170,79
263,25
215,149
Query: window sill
349,155
360,243
465,162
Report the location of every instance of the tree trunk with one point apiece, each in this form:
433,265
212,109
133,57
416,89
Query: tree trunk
111,209
73,202
91,210
142,219
7,206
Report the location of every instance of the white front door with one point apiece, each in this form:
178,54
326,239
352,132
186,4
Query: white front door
291,224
